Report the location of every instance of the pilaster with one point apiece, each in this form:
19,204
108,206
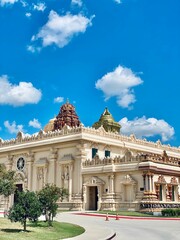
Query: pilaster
52,165
30,161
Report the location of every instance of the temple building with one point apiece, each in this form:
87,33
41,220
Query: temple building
101,168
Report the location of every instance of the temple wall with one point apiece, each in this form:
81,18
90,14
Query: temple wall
120,179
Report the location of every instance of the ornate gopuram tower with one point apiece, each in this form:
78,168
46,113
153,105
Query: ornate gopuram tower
67,116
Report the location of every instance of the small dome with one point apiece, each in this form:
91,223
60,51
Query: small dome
107,121
50,125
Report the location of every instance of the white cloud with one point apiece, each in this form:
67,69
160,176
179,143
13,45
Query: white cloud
59,30
13,128
119,84
24,3
28,14
147,127
58,99
35,123
118,1
4,2
18,95
39,6
77,2
33,49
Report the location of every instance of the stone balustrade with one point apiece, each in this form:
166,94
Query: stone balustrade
24,138
160,159
96,161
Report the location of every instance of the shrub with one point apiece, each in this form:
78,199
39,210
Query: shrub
170,212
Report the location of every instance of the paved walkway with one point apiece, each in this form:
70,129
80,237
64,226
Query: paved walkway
93,230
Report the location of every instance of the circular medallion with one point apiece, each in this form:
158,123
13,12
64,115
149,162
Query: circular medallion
20,163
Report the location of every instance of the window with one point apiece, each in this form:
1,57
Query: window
173,193
107,153
94,151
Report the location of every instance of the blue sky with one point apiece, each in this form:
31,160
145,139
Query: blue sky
123,55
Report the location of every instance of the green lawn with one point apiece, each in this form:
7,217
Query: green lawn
14,231
127,213
134,214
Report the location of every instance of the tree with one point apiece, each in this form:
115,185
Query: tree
7,181
27,207
48,198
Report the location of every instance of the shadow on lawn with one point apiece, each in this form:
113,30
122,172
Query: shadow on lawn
9,230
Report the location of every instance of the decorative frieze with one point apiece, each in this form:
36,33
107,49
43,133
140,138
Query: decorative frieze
22,139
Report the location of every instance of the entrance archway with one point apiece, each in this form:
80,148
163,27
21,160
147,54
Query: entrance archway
93,197
92,193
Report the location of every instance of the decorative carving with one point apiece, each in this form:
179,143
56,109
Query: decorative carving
161,180
165,157
67,116
40,173
133,137
40,134
158,205
21,178
174,181
127,179
127,156
175,161
19,137
158,142
1,142
94,181
65,176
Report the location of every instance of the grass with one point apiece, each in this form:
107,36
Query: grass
127,213
133,214
41,231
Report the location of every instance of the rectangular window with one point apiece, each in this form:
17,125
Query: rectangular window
173,195
107,153
94,151
161,193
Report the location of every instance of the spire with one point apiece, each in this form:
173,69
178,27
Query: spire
107,121
67,116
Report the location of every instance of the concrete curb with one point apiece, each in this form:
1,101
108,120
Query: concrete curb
127,217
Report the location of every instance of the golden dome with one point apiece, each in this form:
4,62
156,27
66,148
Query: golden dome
107,121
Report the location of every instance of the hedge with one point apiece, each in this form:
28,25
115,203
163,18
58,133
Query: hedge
171,212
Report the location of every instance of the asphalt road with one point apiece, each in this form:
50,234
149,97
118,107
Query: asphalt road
145,229
126,229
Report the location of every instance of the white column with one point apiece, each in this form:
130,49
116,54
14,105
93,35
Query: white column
112,183
145,182
148,179
30,162
152,185
70,181
29,175
52,166
80,157
84,196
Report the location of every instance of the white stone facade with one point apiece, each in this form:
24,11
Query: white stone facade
125,173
